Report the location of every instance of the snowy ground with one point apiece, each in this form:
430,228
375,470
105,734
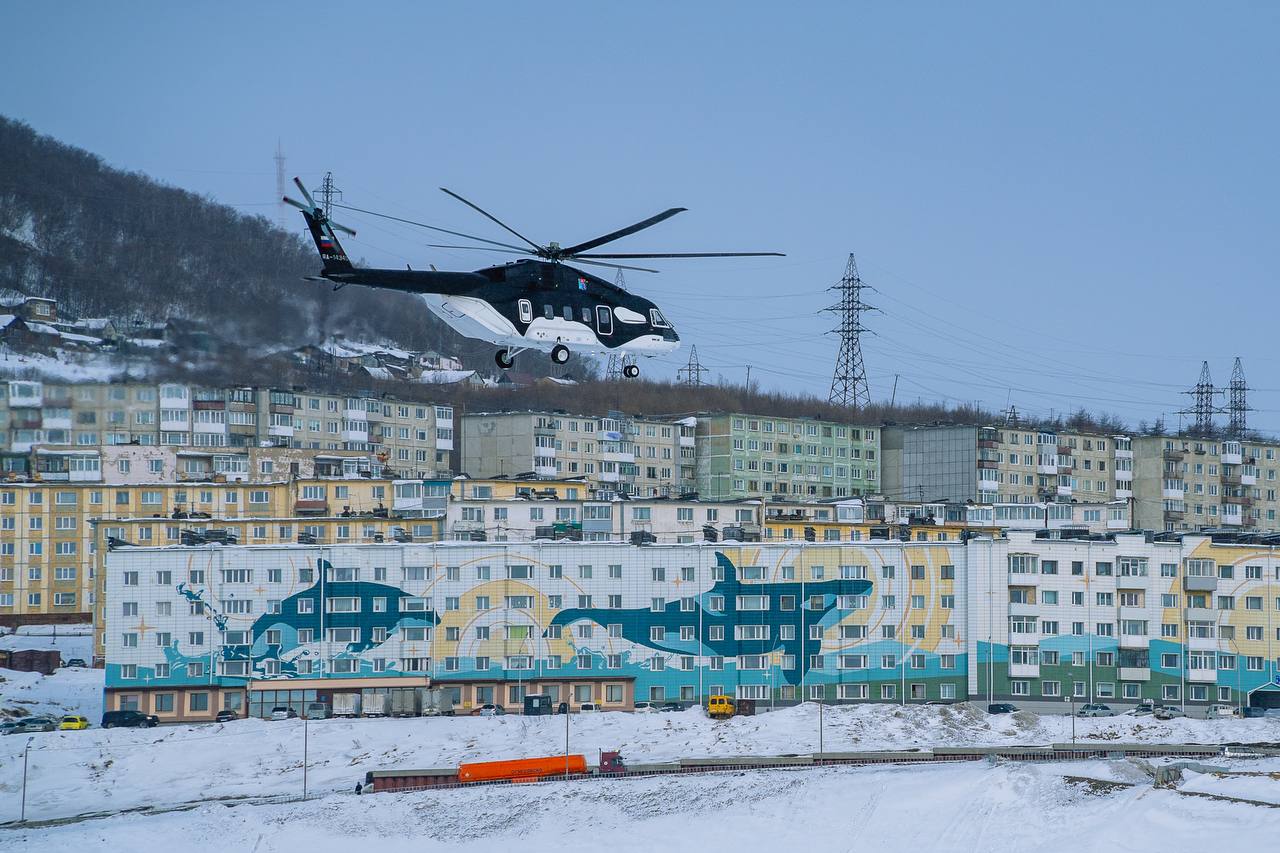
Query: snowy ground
73,641
971,806
94,770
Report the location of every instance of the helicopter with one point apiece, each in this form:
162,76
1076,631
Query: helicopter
538,302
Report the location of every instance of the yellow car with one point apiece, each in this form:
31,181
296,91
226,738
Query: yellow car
74,723
720,707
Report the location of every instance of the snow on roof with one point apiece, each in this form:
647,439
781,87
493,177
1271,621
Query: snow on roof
98,323
6,319
378,373
445,377
43,329
354,349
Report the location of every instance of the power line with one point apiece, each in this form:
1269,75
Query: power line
691,373
1237,402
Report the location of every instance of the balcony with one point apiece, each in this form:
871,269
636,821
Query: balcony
1134,641
1174,515
1134,673
1173,455
281,431
1064,491
1047,467
1023,609
550,471
1122,474
356,435
200,426
1024,670
1249,478
618,457
1173,494
1202,644
1209,675
1199,583
1235,457
1123,492
444,444
687,441
1124,454
1200,614
605,476
312,507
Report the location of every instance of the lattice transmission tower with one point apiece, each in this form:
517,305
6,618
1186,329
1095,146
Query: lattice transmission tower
1237,403
692,373
849,383
327,192
282,209
1202,406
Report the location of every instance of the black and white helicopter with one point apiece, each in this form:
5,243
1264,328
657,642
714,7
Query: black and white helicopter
538,303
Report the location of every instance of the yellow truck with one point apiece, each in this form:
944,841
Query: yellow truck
720,707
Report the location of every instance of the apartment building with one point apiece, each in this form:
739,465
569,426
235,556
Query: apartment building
1184,483
536,515
414,438
1179,620
752,456
1113,619
620,454
1005,465
47,549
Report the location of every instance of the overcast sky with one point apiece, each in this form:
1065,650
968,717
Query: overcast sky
1061,207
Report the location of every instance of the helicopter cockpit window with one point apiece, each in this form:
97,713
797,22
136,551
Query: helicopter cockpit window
526,311
549,312
656,318
568,312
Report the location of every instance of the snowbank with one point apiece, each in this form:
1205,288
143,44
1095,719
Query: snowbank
73,641
67,691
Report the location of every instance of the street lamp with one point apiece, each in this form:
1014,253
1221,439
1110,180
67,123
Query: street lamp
22,818
1072,700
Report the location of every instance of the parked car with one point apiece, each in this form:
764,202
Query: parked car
1001,708
77,662
1221,710
73,723
283,712
672,706
129,720
562,708
226,715
1143,708
588,708
32,724
1095,709
490,710
9,724
1253,711
1167,712
317,711
646,708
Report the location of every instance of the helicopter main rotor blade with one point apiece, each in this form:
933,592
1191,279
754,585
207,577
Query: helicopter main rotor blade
481,249
691,255
430,227
304,192
487,215
297,204
622,232
614,266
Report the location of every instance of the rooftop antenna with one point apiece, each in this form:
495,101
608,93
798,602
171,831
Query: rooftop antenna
1011,417
849,383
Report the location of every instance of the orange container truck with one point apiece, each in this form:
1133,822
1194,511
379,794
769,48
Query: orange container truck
521,769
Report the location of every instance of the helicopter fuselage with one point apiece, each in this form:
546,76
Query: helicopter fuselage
532,304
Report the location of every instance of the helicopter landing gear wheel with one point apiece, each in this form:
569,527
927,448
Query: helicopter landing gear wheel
559,354
631,371
504,359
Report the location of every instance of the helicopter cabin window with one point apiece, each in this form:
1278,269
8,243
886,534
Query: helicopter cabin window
656,318
568,312
586,315
526,311
549,312
604,320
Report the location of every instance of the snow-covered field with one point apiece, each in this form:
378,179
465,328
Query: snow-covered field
963,807
93,770
973,806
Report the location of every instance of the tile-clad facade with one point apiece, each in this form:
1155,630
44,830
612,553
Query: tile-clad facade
1022,618
665,623
752,456
1122,620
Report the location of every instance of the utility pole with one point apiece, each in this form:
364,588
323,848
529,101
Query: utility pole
304,757
849,383
282,209
22,815
894,396
328,192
